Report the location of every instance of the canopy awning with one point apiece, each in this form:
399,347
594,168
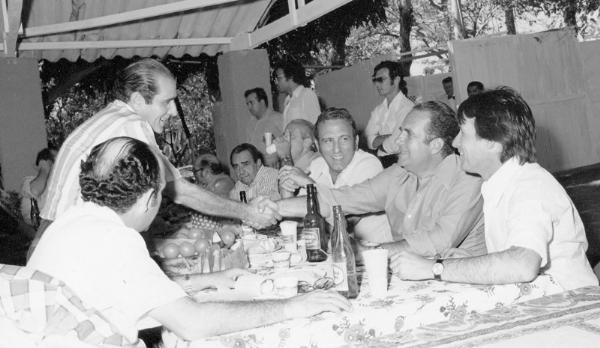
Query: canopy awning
90,29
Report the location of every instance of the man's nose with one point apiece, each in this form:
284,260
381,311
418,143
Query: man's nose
336,146
172,109
456,141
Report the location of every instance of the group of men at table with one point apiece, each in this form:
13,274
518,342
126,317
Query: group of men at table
466,202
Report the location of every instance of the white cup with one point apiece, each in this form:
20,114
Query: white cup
281,260
268,138
254,285
376,266
289,235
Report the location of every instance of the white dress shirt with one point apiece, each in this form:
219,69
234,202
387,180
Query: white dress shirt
303,103
385,118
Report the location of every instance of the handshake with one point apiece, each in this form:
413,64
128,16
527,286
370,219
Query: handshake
261,212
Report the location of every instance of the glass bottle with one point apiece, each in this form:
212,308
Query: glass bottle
324,237
342,256
246,230
311,232
243,197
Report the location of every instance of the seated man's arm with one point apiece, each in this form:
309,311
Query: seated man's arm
460,219
514,265
192,320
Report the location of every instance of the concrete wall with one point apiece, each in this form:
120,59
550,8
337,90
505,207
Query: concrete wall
590,56
238,72
548,70
22,126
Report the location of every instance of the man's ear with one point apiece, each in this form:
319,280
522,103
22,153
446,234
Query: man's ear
149,199
307,142
436,145
136,100
493,146
356,142
396,81
259,161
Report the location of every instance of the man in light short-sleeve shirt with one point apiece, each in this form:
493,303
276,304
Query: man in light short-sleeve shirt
531,226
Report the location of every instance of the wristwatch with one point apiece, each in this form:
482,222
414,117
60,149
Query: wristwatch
437,269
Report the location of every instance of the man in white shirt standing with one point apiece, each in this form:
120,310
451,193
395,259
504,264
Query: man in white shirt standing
388,115
531,226
342,164
267,121
300,102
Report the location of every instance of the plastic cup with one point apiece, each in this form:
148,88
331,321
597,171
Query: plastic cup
376,266
289,235
268,138
281,260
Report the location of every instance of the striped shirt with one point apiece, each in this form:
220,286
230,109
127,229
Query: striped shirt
264,184
116,120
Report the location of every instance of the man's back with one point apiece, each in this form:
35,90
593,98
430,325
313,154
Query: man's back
117,119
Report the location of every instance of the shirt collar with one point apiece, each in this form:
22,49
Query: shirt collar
493,188
297,91
447,170
122,104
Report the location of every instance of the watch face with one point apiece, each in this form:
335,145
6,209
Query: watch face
438,268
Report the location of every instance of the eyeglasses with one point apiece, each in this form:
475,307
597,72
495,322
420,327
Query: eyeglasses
379,79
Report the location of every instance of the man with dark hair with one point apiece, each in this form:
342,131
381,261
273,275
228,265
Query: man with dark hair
388,115
267,121
96,248
474,87
33,188
531,226
252,176
301,101
212,175
341,164
146,90
432,205
449,97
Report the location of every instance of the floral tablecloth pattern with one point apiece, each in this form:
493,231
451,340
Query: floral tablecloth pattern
390,321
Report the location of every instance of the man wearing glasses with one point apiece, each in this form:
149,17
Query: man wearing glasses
301,101
388,115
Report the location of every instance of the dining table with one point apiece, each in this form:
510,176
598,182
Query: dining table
418,314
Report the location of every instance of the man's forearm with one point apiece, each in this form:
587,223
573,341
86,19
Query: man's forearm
204,201
514,265
292,207
379,140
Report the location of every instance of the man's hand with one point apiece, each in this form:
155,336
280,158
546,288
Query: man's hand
283,145
261,212
316,302
410,266
291,178
390,144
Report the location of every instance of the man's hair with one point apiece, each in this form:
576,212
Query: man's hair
118,172
260,94
394,69
442,124
447,79
256,155
477,84
503,116
45,155
335,114
140,77
293,70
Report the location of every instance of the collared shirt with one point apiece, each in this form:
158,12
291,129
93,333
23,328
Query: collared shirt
303,103
107,265
432,214
264,184
386,118
116,120
525,206
271,122
375,228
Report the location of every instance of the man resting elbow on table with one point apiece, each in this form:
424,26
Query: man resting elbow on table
432,205
532,227
97,250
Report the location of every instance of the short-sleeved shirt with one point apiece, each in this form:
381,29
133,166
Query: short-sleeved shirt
271,122
264,184
525,206
363,166
303,103
386,118
107,265
433,213
116,120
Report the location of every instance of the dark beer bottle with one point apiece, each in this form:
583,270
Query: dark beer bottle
243,197
342,256
322,223
311,232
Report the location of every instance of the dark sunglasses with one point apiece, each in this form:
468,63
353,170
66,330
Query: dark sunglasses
378,79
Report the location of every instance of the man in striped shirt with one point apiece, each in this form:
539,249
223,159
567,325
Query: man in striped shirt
145,93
